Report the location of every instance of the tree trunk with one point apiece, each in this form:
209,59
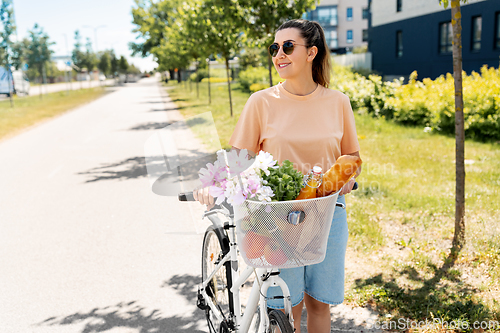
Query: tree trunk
270,65
197,83
209,92
229,86
459,237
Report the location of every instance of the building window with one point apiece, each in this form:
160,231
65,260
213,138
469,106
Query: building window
327,16
331,39
477,23
445,38
497,34
349,37
399,44
365,35
399,5
349,13
365,13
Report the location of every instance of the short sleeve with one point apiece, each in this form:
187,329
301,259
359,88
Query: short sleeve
248,131
349,143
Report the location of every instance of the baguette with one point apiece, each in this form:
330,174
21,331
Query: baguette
339,174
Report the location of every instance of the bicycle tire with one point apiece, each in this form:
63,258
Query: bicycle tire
215,246
279,323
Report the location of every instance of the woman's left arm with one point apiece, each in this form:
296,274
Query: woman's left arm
348,187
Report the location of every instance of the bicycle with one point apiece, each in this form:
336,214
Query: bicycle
219,291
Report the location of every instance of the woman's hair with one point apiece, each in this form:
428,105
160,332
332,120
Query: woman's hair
313,34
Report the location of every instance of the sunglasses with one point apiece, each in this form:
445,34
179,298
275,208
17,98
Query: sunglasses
287,48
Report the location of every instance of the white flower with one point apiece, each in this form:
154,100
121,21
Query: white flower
238,162
264,161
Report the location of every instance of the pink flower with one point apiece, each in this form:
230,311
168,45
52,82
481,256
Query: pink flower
207,176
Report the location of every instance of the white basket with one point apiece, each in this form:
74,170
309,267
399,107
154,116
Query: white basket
271,236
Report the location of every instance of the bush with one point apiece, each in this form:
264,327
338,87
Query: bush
216,79
258,86
259,75
199,76
428,103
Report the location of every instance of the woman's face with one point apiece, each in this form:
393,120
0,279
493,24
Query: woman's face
295,64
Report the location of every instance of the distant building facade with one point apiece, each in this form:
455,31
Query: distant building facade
408,35
345,23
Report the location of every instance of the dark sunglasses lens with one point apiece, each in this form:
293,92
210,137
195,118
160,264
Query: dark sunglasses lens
288,47
273,49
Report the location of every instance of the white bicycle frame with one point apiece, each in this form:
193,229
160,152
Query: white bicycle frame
265,278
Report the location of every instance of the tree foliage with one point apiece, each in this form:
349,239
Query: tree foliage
8,28
38,49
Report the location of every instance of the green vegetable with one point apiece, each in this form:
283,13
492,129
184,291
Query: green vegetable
285,181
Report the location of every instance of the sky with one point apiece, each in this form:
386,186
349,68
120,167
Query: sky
60,18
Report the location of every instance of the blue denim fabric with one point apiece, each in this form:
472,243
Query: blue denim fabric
324,281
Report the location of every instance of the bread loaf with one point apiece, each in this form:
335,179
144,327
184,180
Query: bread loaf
339,174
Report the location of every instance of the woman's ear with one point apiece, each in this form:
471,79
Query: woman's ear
311,54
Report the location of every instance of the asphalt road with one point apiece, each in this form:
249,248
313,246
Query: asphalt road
86,246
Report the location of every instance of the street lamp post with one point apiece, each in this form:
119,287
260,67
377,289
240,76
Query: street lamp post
95,34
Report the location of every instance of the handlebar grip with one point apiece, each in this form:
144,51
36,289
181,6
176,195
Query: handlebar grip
188,196
355,186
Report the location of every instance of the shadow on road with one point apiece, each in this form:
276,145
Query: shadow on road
130,168
131,315
151,126
168,180
177,108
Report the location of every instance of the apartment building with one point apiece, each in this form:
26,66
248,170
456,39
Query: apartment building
408,35
345,23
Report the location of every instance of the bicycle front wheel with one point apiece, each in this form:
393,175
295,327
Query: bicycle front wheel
279,323
215,246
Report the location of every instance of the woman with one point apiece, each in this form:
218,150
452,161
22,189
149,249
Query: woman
305,122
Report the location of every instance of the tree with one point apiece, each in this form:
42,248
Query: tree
19,53
222,22
9,27
104,64
123,65
113,63
90,57
456,22
263,18
38,49
158,28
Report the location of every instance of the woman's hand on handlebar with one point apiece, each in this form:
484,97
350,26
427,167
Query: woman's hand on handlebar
203,196
347,188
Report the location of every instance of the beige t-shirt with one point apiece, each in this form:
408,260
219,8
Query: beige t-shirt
307,130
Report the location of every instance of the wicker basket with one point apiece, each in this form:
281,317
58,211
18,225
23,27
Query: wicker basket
284,234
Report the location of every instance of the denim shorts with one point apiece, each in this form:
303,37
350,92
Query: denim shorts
324,281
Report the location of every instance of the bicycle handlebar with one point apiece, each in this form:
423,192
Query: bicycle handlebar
188,196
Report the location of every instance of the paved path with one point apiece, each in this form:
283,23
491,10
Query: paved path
86,246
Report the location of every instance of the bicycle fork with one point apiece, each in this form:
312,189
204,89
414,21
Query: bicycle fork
265,279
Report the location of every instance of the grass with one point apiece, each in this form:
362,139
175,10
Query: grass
401,220
31,110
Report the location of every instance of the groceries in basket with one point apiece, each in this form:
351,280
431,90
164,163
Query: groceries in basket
339,174
275,226
312,181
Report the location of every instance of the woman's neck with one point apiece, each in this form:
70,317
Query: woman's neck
300,88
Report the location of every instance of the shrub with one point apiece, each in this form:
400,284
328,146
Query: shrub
429,102
216,79
260,75
199,76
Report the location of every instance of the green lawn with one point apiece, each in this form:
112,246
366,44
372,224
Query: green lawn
30,110
401,220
